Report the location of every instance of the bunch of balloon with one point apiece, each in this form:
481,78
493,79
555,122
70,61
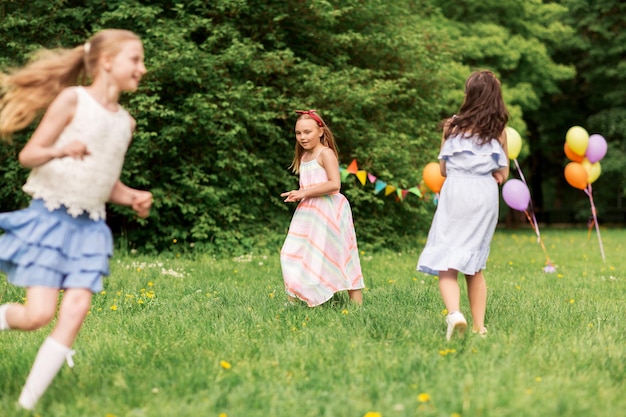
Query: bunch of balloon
516,193
585,153
433,179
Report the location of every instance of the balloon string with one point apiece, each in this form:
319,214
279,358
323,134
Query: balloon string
590,224
589,193
519,170
532,209
539,240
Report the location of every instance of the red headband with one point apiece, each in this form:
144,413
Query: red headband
313,115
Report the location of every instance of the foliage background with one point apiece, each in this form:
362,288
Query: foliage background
215,112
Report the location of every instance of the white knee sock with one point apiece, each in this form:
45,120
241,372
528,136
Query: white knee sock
3,317
47,364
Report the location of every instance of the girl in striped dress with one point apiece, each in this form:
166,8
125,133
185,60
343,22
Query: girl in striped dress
320,255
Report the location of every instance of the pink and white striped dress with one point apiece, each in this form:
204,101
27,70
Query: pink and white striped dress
320,255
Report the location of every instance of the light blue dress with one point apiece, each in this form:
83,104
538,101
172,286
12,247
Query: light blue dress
467,212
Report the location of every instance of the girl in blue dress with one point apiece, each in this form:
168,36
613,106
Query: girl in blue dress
61,241
474,160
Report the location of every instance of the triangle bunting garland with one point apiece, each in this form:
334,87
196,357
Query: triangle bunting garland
365,178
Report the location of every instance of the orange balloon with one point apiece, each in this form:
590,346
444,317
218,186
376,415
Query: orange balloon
432,177
573,156
576,175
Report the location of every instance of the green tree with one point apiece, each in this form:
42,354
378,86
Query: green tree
594,99
215,112
520,41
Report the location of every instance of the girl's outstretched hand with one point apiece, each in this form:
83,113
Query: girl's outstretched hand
142,202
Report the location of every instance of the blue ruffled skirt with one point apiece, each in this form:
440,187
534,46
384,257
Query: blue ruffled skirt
53,249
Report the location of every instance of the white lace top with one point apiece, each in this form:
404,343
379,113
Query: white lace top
85,185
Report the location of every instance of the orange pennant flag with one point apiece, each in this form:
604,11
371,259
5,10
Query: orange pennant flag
362,176
389,189
353,167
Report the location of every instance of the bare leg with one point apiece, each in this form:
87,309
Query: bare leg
477,294
74,308
449,289
56,348
451,294
38,311
356,296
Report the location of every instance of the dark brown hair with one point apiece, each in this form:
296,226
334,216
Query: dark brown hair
483,112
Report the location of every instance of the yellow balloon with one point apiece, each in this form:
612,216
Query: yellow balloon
513,142
577,139
593,170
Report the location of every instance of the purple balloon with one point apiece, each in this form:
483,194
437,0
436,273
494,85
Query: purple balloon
596,149
516,194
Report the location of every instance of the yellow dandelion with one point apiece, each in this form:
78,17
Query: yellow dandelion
174,241
150,284
423,397
344,311
139,301
114,307
571,301
225,365
109,415
271,295
138,269
538,379
223,415
455,415
373,414
444,312
103,292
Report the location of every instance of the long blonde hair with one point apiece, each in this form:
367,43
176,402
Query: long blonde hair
26,92
327,139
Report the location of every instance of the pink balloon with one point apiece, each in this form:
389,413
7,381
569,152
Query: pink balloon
516,194
596,149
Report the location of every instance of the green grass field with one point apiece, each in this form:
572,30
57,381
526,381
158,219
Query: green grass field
195,336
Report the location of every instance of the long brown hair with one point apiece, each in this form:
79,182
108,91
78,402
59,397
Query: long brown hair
27,91
483,112
327,139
